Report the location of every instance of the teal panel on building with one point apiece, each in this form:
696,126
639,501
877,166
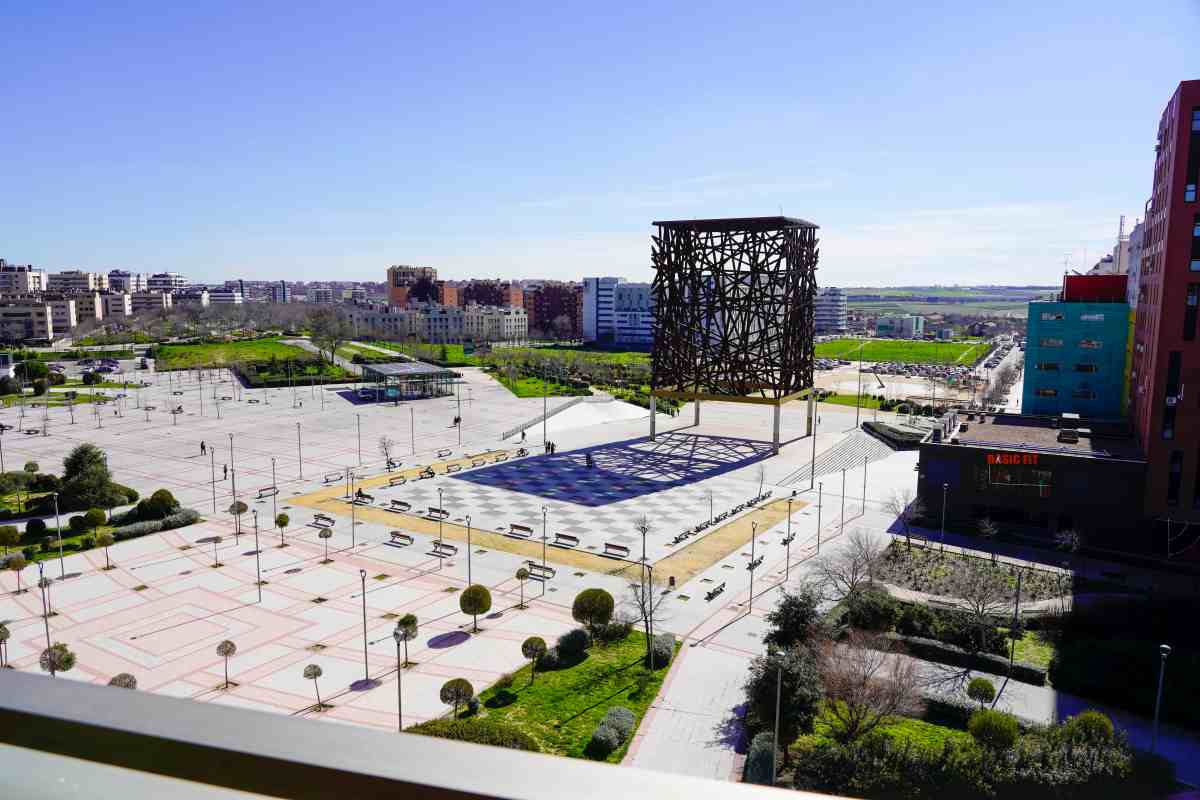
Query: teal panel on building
1075,359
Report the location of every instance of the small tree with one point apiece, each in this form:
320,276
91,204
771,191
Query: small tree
475,600
216,540
312,672
981,690
994,730
408,632
455,692
842,571
94,518
281,522
1069,542
533,648
983,593
35,528
906,507
795,620
988,531
105,540
77,524
236,509
387,446
56,658
9,537
522,576
31,468
800,696
865,684
123,680
16,563
326,534
226,649
592,608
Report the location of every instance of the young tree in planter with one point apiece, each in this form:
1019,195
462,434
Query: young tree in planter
906,507
9,537
56,658
94,519
592,608
475,600
216,540
226,649
312,672
988,531
123,681
236,509
326,534
281,522
408,632
105,540
16,563
455,692
522,576
795,620
981,690
533,648
844,570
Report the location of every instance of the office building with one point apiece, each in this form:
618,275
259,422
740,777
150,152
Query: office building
88,307
224,297
120,280
900,326
1166,354
77,281
617,312
402,277
165,282
829,311
598,319
554,308
21,278
281,293
191,297
320,294
1076,350
150,301
117,305
26,319
1135,265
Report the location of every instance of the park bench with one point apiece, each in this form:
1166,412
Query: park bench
253,401
323,520
437,513
267,491
224,397
400,507
177,394
713,592
32,431
614,549
538,571
499,458
478,462
362,498
426,474
332,477
398,480
565,540
443,453
519,531
453,468
400,538
391,465
444,549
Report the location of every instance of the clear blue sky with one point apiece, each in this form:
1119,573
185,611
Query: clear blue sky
936,143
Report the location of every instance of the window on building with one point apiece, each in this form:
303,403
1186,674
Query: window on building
1085,367
1052,342
1168,424
1189,193
1091,317
1174,368
1048,366
1195,265
1046,392
1052,316
1091,344
1189,311
1195,119
1174,477
1083,394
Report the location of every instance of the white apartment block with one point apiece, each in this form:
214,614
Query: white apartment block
192,297
150,301
77,281
829,311
165,282
322,294
117,305
120,280
62,310
88,307
443,324
495,323
20,278
224,297
392,322
22,319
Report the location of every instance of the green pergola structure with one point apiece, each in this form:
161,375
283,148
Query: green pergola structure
408,380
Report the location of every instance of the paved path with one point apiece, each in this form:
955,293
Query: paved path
344,363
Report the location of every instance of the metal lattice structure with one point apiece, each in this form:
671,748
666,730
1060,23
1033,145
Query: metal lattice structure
734,309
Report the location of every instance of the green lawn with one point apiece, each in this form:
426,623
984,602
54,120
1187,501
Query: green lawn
1034,649
534,387
906,729
613,356
219,354
902,350
562,707
450,353
867,401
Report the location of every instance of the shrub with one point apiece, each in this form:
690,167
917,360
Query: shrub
472,707
549,660
621,719
29,552
592,608
35,527
94,518
9,385
662,649
31,370
981,690
56,379
605,739
479,731
613,632
573,644
760,760
872,610
137,529
1090,726
91,378
87,543
157,506
43,482
917,620
39,387
186,516
993,729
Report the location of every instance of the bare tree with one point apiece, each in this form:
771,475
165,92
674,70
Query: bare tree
844,569
386,446
865,683
988,531
983,593
329,330
907,507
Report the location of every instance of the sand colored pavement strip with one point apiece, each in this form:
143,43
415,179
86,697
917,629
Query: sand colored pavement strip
682,565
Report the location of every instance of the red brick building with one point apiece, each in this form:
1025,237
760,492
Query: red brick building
1165,382
556,309
491,293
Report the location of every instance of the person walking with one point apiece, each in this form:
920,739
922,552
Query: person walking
522,437
225,467
202,448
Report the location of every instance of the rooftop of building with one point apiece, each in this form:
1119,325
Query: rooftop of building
735,224
1095,438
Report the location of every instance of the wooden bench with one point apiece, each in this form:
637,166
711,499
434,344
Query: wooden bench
437,513
713,592
252,400
478,462
398,480
323,520
499,458
451,468
177,394
539,572
426,474
267,491
400,507
519,531
443,549
614,549
333,477
443,453
401,538
391,465
362,498
565,540
226,398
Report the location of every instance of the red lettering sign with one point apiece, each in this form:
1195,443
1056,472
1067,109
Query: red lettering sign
1012,459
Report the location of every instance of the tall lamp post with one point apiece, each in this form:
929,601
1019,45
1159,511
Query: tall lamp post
398,635
787,541
232,468
820,499
752,565
44,584
441,514
366,682
945,490
842,524
1164,650
469,550
257,558
545,511
58,530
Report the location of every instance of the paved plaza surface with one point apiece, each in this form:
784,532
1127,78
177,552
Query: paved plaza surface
162,611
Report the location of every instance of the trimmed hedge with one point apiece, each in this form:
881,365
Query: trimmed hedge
179,519
932,650
620,719
663,648
605,739
478,731
895,438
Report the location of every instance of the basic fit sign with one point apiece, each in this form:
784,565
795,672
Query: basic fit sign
1012,459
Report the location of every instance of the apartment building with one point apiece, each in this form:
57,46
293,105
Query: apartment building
165,282
26,319
151,301
389,322
116,305
320,294
900,326
830,311
495,324
618,312
88,307
21,278
491,293
554,308
77,281
120,280
224,297
191,297
402,277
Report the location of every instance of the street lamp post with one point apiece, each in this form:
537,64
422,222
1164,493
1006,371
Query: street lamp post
299,451
212,460
58,529
358,419
412,423
441,514
820,497
545,511
275,489
43,584
257,558
858,400
398,635
787,541
469,550
1164,650
842,524
945,489
752,565
232,469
